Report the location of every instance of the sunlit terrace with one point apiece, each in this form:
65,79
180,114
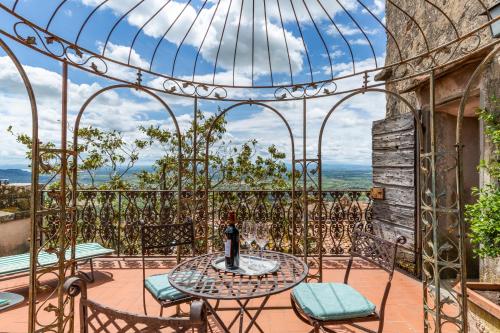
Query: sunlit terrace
249,166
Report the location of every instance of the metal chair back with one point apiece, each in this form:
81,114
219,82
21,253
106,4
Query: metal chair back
95,317
156,237
378,251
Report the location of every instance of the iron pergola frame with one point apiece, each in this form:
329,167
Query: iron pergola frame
431,210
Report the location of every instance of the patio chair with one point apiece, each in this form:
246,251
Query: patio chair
322,304
84,252
157,237
95,317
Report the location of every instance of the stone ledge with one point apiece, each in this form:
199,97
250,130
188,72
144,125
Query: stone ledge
12,216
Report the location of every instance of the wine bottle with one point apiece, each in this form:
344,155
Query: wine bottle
232,243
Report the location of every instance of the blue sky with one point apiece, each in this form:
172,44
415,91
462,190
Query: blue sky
347,138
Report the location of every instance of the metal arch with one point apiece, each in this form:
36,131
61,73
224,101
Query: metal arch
211,88
34,183
165,106
420,150
265,106
207,151
459,176
363,91
130,86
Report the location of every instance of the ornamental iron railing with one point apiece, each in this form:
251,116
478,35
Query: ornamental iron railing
112,217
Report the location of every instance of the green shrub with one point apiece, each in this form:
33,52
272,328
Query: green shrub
484,215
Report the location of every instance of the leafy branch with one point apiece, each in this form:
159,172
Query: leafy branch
484,215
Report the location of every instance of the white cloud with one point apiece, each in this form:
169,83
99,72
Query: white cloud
349,30
359,41
183,14
111,110
378,7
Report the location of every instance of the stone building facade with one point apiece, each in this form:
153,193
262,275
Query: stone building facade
399,213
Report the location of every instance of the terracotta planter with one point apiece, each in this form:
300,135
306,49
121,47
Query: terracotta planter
483,307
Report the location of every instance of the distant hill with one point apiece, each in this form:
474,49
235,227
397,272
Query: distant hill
16,175
335,176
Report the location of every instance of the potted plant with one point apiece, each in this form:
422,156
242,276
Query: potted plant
484,219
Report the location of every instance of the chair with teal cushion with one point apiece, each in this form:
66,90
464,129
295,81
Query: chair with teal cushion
20,263
96,317
158,238
160,288
322,304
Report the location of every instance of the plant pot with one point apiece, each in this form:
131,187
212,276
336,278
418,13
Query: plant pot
483,303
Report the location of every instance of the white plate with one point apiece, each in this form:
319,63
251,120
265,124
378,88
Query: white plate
249,265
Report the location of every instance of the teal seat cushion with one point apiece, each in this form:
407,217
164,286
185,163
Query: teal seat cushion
160,288
89,250
332,301
21,262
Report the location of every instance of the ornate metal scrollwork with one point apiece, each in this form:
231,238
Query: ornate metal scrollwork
100,212
58,48
194,89
307,90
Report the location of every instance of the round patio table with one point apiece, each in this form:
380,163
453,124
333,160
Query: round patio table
209,283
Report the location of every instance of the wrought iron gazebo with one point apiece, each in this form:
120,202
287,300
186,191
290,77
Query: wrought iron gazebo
251,53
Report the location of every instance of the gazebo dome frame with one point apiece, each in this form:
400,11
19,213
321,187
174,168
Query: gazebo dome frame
432,59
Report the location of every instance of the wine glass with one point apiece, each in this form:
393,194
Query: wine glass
248,232
262,236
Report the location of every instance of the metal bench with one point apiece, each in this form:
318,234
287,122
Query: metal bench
85,252
95,317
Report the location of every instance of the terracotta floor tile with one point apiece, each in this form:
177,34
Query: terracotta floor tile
121,288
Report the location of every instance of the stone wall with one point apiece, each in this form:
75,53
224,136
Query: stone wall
407,42
14,219
437,29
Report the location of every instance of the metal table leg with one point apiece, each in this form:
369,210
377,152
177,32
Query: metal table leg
253,321
216,316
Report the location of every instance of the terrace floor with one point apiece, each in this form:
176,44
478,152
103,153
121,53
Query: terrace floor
118,285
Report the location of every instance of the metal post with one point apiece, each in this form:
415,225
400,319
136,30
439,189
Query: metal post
62,200
305,215
418,212
435,231
34,198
